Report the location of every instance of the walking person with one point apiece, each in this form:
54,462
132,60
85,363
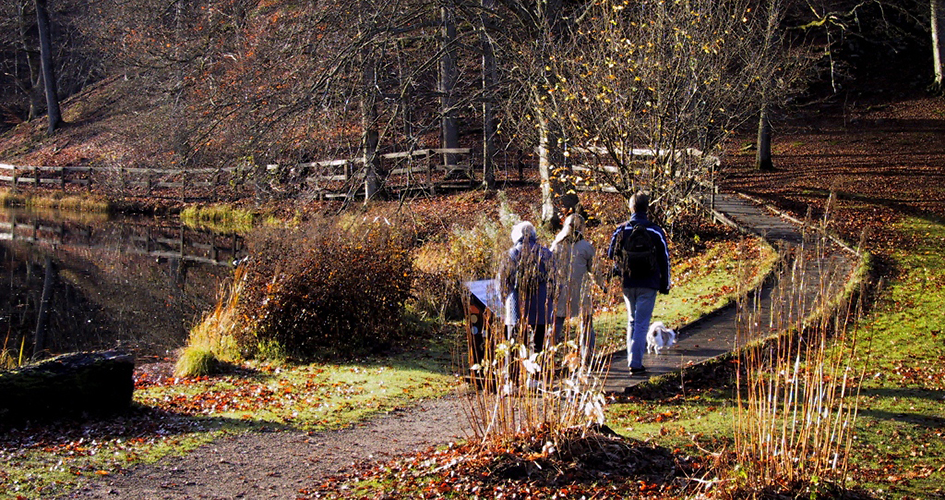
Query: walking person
524,277
574,260
641,253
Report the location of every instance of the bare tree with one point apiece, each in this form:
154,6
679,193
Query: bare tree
447,79
651,91
53,114
540,33
488,95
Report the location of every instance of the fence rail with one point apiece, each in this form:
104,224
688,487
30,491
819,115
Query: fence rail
422,168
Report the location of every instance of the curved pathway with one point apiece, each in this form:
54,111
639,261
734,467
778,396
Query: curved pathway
282,464
816,265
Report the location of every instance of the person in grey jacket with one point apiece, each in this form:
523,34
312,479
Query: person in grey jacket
639,292
574,263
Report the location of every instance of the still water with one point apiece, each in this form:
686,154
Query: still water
73,282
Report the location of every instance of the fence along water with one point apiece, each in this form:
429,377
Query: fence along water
422,168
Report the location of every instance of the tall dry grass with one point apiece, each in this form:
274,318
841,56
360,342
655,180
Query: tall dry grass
56,201
9,356
797,388
516,392
213,340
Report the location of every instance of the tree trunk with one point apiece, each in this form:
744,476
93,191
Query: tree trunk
763,155
447,82
545,168
31,87
488,82
938,47
49,71
370,136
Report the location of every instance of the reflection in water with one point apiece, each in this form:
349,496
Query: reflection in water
71,284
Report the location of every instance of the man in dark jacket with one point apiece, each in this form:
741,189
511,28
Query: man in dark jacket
640,288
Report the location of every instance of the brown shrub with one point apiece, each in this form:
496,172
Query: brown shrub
329,288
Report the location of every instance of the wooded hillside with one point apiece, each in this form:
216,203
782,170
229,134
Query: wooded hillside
251,83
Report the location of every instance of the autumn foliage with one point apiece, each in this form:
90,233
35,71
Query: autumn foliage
328,288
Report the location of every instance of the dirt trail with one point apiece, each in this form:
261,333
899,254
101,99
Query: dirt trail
279,464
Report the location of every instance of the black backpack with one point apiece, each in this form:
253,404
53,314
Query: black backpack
637,256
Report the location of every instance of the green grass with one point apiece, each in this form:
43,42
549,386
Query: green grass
220,218
311,397
899,446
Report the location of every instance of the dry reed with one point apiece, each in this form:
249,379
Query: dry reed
516,392
213,339
797,390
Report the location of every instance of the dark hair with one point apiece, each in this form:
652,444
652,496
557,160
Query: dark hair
639,203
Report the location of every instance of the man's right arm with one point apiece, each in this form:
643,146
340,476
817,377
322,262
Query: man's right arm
614,241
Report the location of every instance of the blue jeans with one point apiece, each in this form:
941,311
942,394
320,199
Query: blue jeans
640,302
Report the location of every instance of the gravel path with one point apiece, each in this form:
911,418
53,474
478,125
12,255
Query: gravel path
279,464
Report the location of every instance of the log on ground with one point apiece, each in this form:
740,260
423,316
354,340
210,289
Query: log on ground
95,383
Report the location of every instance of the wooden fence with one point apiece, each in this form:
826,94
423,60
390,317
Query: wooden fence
43,175
428,169
613,173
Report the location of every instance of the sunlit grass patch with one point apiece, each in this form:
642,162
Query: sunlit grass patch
220,218
315,396
678,422
899,445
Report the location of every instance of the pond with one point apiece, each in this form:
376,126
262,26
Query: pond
75,282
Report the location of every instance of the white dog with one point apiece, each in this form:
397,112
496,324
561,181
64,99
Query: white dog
659,337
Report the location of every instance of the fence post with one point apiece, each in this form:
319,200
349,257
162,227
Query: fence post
62,178
183,186
14,179
429,169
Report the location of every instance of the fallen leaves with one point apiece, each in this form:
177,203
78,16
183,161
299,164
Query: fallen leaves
594,466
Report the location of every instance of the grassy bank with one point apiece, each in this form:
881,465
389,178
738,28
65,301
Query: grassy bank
899,448
54,200
223,218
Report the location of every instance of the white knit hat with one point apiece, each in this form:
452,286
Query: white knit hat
522,230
